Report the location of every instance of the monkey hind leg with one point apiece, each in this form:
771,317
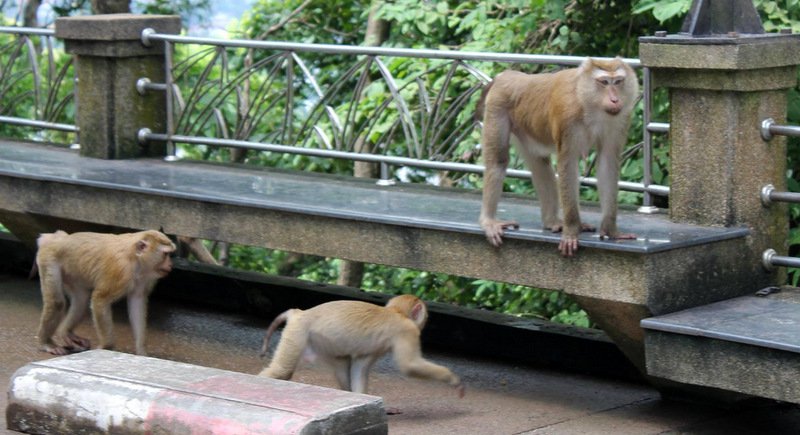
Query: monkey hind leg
54,305
290,348
341,368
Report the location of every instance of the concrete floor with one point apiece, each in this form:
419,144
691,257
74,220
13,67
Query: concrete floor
501,398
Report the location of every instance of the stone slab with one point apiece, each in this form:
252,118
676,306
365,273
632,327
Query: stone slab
721,53
114,27
103,391
749,345
767,321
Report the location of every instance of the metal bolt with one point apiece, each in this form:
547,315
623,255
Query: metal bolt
141,136
141,85
765,125
766,259
765,194
146,37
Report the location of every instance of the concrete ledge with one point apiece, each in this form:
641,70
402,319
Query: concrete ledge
105,391
749,345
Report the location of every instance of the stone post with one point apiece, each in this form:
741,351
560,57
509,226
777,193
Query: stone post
109,59
721,89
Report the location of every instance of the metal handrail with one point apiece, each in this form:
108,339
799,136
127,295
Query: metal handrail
769,129
146,134
27,31
150,35
770,259
38,124
770,195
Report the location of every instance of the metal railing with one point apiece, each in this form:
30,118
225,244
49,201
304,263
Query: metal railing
431,132
769,129
34,77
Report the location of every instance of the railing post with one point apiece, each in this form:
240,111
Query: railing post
721,89
109,59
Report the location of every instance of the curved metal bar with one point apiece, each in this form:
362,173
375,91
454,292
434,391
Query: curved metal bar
406,119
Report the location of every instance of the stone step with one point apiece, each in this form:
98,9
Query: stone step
749,344
111,392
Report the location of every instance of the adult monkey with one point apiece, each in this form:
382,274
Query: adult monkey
564,113
94,269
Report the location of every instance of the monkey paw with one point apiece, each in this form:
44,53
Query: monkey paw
618,236
78,342
568,245
494,230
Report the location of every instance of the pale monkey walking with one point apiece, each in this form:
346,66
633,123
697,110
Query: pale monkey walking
350,336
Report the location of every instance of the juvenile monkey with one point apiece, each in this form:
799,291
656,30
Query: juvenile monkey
94,269
351,336
564,113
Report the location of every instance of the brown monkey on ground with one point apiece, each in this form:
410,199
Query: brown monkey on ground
351,336
94,269
565,113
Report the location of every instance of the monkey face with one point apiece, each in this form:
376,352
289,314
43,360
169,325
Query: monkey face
164,267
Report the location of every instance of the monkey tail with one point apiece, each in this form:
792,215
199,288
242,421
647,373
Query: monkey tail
34,270
281,319
44,239
479,107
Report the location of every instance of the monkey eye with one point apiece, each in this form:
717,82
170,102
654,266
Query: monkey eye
603,82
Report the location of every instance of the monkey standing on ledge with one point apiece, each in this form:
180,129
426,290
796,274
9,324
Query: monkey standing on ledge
351,336
565,113
97,269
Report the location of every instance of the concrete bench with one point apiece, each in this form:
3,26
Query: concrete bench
43,188
104,391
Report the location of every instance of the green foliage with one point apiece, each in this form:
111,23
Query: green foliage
37,77
507,298
191,11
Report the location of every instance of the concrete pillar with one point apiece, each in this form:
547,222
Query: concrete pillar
109,58
721,88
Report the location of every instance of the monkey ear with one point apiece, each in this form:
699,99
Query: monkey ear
586,65
141,246
417,312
